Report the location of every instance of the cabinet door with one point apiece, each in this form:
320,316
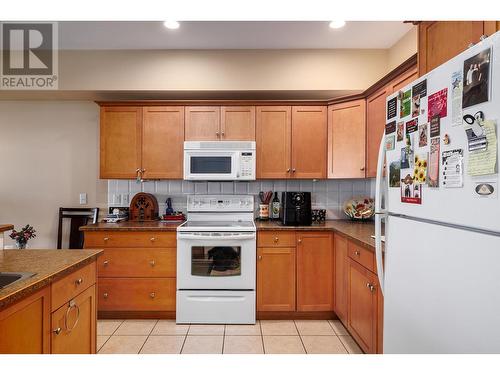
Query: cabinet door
74,325
276,279
346,139
362,306
274,139
403,79
309,141
120,145
439,41
163,142
25,326
340,278
202,124
314,272
238,123
375,126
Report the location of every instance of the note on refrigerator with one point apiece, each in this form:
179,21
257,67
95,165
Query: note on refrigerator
483,161
452,168
456,98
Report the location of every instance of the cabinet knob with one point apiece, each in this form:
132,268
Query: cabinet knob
260,257
357,253
57,330
293,170
223,133
217,134
105,295
276,239
362,168
152,263
152,295
153,239
371,287
105,263
299,240
106,238
79,281
288,170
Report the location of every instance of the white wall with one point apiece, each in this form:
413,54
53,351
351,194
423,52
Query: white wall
49,154
403,49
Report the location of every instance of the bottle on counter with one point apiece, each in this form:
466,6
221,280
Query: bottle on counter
275,207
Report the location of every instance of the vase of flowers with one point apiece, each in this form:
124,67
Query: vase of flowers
21,237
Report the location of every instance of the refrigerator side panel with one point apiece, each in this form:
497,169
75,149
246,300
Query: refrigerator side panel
441,289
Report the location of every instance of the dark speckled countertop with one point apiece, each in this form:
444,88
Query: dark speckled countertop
47,264
133,226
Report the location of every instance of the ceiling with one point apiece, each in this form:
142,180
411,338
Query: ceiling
230,35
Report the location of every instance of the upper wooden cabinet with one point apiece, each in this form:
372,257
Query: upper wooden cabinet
309,141
121,143
202,124
346,139
439,41
162,142
274,141
237,123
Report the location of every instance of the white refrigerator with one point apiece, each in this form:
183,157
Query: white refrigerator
439,268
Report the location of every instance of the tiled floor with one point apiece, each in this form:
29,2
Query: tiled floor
265,337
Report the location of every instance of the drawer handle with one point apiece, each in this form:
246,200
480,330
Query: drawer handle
106,238
72,305
152,295
153,239
57,330
105,295
152,263
105,263
276,239
79,281
357,253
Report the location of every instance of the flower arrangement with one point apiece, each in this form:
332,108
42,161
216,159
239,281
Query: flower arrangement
21,237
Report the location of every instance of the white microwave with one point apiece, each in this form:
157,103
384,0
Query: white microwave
219,160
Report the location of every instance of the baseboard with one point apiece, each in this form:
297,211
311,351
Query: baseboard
291,315
136,314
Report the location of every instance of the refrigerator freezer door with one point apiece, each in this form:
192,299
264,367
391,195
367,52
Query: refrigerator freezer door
442,289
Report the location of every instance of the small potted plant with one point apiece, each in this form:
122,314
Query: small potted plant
21,237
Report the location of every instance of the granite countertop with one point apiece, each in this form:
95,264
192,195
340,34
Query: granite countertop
5,227
47,264
132,226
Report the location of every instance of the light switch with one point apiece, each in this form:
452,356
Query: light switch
83,198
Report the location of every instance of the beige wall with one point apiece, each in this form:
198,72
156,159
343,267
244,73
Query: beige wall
403,49
49,154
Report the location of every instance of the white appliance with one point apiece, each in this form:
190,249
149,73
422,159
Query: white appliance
219,160
440,277
216,261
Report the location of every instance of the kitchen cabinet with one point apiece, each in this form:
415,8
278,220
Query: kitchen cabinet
314,271
439,41
276,279
120,142
202,123
309,141
340,277
25,326
362,306
346,139
163,142
237,123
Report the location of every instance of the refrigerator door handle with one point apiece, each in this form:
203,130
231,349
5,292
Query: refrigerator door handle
379,213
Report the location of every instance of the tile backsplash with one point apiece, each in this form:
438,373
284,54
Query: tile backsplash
328,194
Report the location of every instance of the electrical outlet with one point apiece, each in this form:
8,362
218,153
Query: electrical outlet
83,198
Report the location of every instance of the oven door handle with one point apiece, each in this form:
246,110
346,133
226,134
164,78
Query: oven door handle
250,236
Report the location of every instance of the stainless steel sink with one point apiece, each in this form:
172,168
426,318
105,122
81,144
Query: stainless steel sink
7,278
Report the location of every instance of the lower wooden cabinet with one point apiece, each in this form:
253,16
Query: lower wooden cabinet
276,279
340,277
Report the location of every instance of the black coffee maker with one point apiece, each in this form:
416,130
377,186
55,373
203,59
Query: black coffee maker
296,208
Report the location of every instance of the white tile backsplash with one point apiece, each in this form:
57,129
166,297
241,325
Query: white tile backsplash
329,194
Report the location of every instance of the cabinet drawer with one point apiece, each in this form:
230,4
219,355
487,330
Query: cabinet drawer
139,262
276,239
129,294
130,239
73,284
362,255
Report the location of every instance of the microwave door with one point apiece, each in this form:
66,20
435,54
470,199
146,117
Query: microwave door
206,165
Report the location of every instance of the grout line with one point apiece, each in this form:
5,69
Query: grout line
262,338
332,327
185,338
300,337
223,338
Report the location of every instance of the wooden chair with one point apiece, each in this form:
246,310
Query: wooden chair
78,217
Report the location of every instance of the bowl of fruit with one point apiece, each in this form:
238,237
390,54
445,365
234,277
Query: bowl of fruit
359,208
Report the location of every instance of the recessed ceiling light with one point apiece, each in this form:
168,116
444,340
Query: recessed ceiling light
172,25
337,24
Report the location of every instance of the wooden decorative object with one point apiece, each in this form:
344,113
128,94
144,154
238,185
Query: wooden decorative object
143,207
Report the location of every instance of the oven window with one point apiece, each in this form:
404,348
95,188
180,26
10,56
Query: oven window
211,164
216,261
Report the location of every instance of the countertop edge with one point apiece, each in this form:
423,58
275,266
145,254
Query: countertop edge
6,227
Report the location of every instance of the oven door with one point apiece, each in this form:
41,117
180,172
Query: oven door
211,165
222,260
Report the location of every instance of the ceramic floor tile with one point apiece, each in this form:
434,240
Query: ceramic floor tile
136,327
278,328
323,345
243,329
163,345
350,345
123,345
338,327
314,328
168,327
107,327
206,329
100,341
283,345
243,345
203,345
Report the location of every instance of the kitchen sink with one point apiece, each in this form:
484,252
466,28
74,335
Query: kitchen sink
7,278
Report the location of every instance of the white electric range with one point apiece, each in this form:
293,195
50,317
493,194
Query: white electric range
216,260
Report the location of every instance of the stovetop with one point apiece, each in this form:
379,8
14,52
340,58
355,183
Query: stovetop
217,226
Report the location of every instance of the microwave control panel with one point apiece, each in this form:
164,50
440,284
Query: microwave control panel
247,165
